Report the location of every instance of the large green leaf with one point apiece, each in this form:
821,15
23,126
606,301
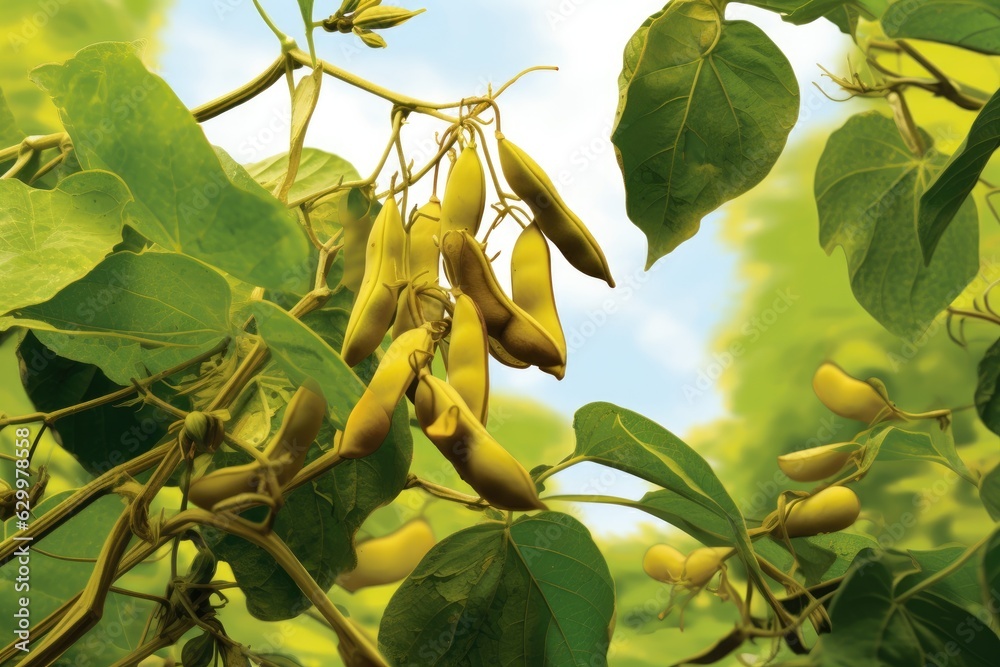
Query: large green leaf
705,108
318,170
622,439
961,586
989,491
989,576
872,627
971,24
49,238
896,444
318,523
868,185
535,592
843,13
302,354
37,32
949,191
821,557
125,119
103,436
987,396
134,314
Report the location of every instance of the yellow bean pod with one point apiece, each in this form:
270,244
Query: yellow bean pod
371,419
815,463
531,287
556,220
498,352
828,511
702,564
468,357
479,459
465,193
375,306
515,330
354,211
423,260
286,451
847,396
388,559
664,563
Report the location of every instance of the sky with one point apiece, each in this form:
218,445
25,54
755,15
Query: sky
638,346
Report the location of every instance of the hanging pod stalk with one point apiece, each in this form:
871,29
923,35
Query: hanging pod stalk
517,332
465,193
468,357
286,452
556,220
479,459
375,306
531,287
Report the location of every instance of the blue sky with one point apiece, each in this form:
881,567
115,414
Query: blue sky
636,347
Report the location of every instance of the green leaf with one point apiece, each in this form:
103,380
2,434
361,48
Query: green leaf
101,437
952,187
989,576
184,201
825,557
842,13
10,133
694,518
318,523
987,396
621,439
306,7
872,627
705,109
989,492
302,354
134,315
199,651
960,586
868,184
318,171
535,592
970,24
895,444
49,238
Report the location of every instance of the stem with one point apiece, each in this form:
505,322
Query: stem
445,493
125,392
285,41
412,103
37,142
347,632
974,314
904,121
317,198
559,467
